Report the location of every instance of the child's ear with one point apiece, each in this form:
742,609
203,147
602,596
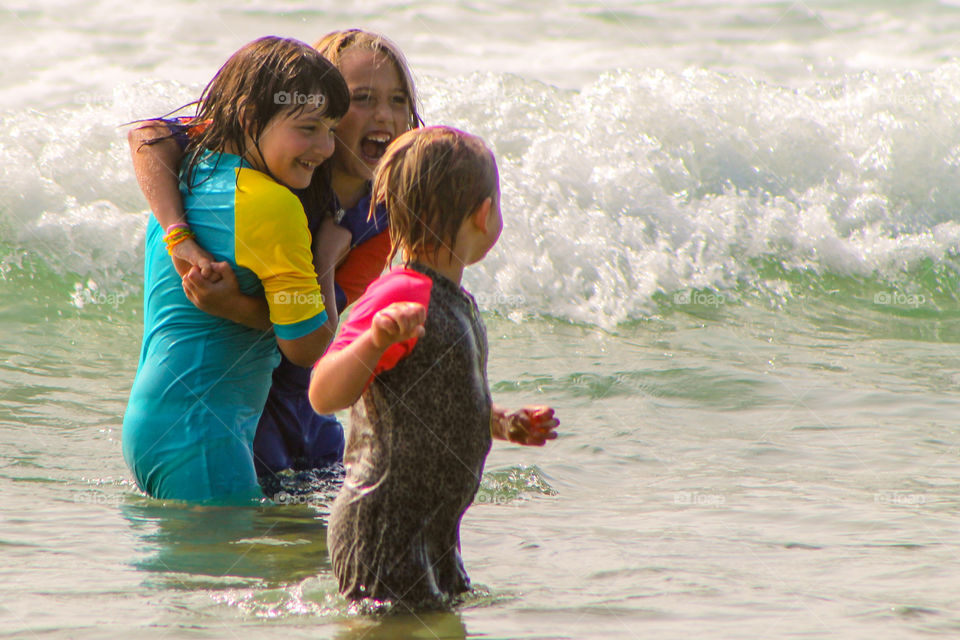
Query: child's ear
246,118
481,215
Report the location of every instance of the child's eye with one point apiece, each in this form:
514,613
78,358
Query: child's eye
400,99
360,97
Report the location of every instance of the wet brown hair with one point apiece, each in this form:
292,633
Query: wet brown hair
430,180
254,85
333,45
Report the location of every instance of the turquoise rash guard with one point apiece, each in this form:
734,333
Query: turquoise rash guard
202,381
290,434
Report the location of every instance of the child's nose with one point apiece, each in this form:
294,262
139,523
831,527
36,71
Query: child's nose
325,145
382,111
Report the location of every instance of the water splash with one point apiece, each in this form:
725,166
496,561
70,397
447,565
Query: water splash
622,200
651,182
515,483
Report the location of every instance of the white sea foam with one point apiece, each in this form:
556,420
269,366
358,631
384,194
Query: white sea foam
670,174
658,182
639,183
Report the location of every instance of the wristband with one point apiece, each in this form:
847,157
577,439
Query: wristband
177,236
177,225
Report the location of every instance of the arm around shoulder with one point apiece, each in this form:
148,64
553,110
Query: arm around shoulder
156,162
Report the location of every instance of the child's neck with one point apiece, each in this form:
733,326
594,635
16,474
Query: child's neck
446,264
349,189
252,157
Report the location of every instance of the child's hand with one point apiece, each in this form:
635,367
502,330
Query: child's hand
188,254
214,295
531,426
398,322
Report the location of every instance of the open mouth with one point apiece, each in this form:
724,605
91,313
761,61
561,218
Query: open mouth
374,145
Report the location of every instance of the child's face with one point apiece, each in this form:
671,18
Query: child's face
293,144
379,111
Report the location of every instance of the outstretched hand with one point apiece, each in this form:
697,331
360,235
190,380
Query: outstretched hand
398,322
531,426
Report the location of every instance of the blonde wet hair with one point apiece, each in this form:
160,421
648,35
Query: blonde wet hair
333,45
430,180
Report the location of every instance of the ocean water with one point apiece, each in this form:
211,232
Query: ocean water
730,262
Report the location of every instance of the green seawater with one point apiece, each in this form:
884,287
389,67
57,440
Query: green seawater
748,207
739,465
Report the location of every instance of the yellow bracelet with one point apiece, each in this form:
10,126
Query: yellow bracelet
177,236
176,233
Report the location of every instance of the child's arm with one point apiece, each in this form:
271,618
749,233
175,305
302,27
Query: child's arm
331,246
157,167
339,378
529,425
223,298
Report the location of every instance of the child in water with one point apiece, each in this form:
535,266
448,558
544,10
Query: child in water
202,380
414,352
383,104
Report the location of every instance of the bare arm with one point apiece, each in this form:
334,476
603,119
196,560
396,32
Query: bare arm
157,167
253,312
330,248
304,351
220,295
339,378
223,298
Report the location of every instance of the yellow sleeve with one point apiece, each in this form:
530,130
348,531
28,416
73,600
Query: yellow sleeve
272,239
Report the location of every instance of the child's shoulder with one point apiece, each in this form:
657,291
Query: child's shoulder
258,185
397,285
261,198
400,281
